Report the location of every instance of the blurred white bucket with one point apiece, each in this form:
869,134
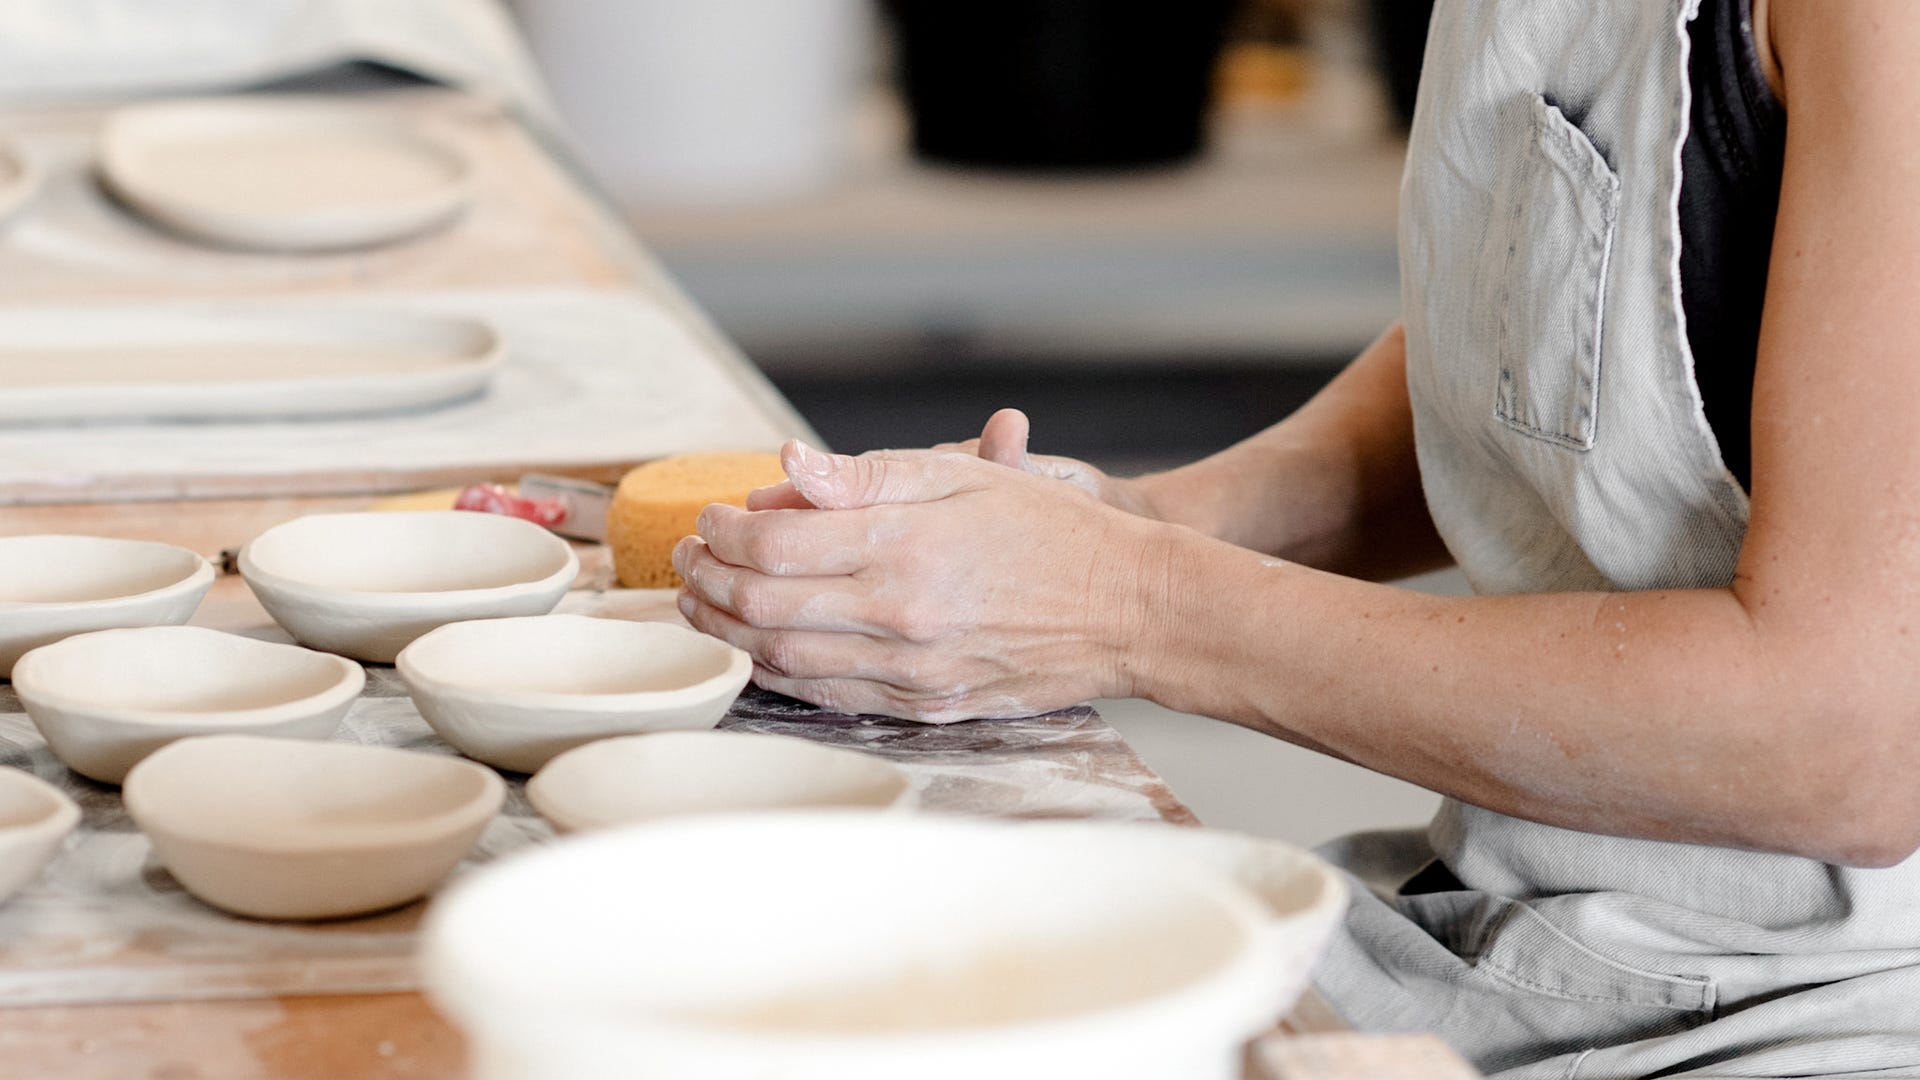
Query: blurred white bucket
703,101
863,946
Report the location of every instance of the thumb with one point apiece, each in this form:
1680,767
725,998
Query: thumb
1004,440
840,482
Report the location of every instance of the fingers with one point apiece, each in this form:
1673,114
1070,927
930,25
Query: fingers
766,601
780,496
838,482
792,654
788,543
1003,440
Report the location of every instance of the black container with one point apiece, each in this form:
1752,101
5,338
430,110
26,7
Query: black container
1400,36
1058,84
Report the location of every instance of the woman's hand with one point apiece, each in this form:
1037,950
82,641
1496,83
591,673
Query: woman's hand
1002,441
937,586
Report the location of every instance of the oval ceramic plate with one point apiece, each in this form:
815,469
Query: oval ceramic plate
107,699
238,364
287,174
54,586
515,692
285,829
20,178
643,777
366,585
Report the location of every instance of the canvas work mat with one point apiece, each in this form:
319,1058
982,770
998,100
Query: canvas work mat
106,923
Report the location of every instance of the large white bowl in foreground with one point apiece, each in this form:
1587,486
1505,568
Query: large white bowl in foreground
644,777
280,829
35,817
107,699
53,587
860,946
366,585
516,692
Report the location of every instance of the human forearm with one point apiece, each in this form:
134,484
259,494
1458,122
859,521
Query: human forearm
1334,486
1671,715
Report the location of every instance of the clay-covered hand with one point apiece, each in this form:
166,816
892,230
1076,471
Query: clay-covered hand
936,586
1002,441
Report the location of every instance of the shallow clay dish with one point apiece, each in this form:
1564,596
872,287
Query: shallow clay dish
35,817
53,587
107,699
282,829
282,174
366,585
643,777
20,179
904,945
516,692
238,363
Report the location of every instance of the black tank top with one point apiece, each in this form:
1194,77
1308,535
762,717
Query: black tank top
1730,171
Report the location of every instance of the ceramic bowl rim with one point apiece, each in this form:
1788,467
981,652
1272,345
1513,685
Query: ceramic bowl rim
200,577
739,670
350,680
62,813
275,581
1247,966
30,173
555,812
417,831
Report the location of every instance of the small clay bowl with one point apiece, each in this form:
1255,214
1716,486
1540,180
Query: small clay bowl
282,829
107,699
644,777
53,587
516,692
35,818
366,585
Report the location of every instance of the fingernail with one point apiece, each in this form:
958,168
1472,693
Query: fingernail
680,554
686,603
811,461
703,524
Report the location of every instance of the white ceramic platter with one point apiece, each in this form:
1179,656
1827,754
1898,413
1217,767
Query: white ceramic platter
285,829
105,700
282,174
366,585
935,948
53,586
645,777
223,365
20,179
515,692
35,817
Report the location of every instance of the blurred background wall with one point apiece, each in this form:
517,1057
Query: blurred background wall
1156,225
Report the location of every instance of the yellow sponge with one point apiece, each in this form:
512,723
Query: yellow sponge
657,503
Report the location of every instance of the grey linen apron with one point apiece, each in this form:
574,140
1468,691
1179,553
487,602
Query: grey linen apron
1563,446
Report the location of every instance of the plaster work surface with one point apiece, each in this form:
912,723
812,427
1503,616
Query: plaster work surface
106,922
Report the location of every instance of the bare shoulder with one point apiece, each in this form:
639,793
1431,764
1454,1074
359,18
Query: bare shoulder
1807,45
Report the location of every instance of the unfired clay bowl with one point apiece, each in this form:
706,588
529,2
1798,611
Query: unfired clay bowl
280,829
644,777
366,585
35,817
107,699
903,945
53,587
516,692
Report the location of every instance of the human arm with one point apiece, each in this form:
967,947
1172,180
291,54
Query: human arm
1777,713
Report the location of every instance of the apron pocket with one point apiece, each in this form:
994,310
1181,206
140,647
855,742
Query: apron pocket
1523,949
1563,201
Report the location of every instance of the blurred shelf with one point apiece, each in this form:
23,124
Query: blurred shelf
1278,244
